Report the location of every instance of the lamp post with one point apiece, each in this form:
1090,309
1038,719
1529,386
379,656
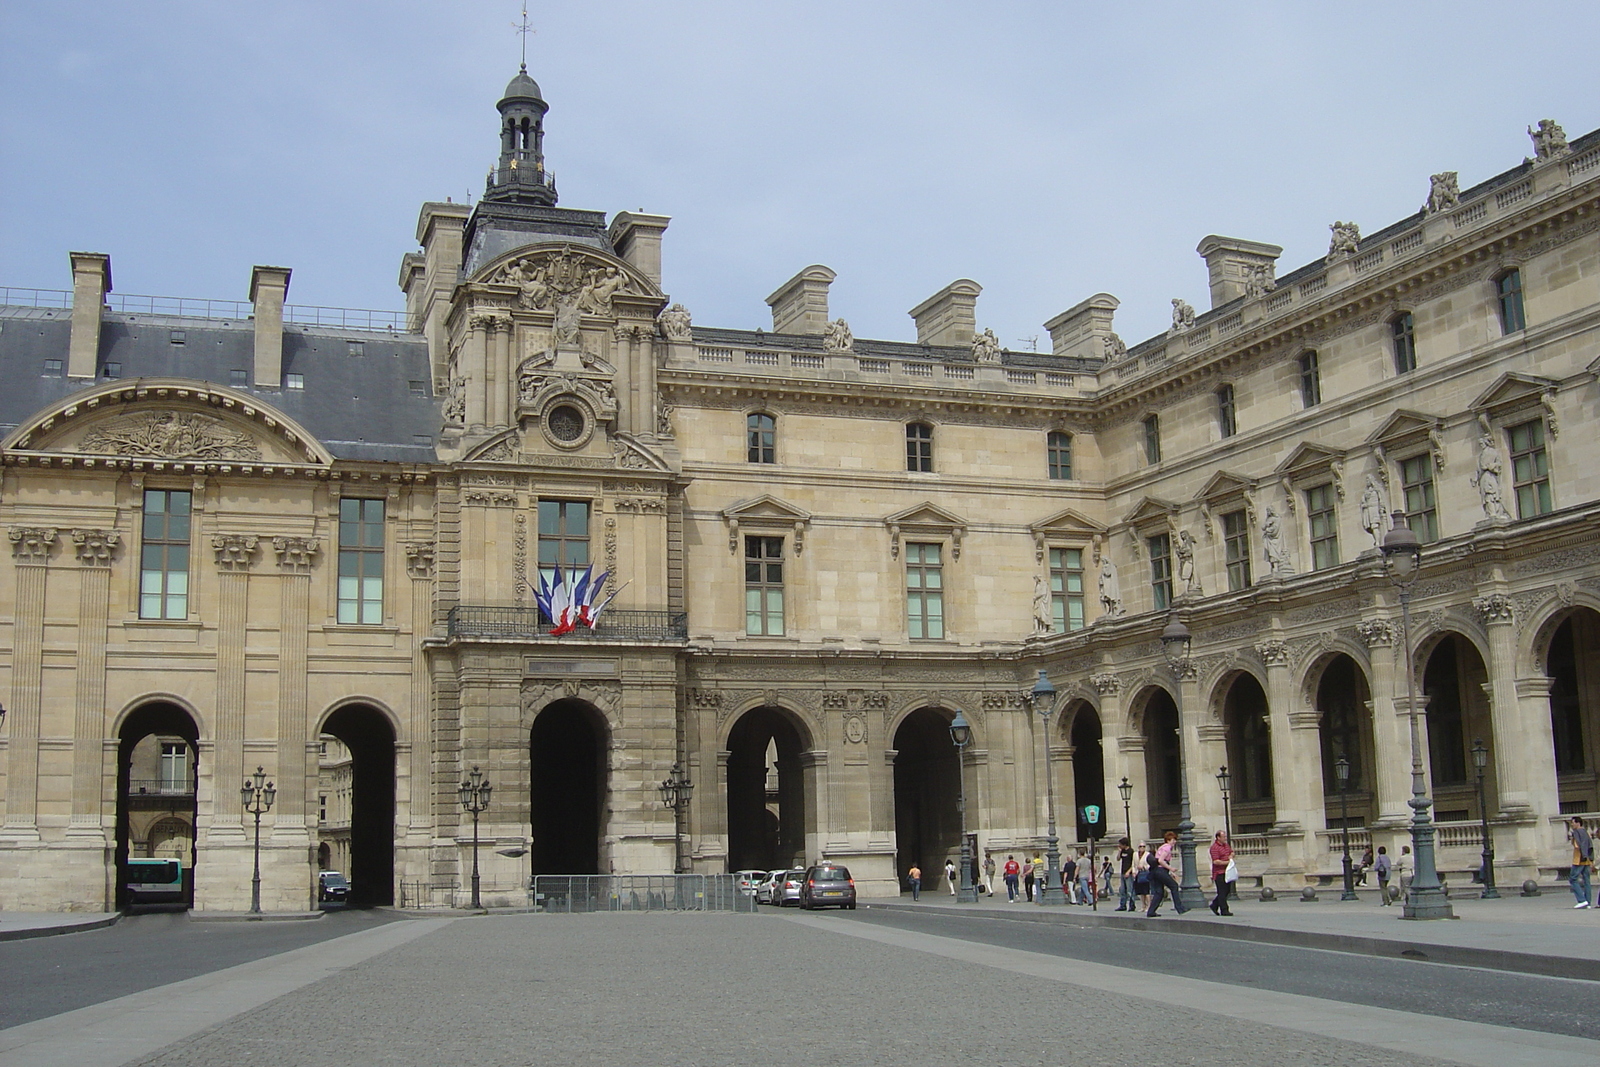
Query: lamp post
475,798
961,736
1480,760
675,791
1044,702
256,796
1175,644
1126,789
1341,772
1224,780
1402,559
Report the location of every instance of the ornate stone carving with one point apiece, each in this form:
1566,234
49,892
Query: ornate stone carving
836,337
1115,347
1549,141
1182,315
1443,193
1043,620
1106,684
1487,477
706,698
170,435
96,547
664,420
502,451
611,544
1374,513
455,404
1272,546
1496,607
1345,239
1376,633
986,347
1110,588
1273,653
234,552
566,279
1184,547
675,324
296,553
31,544
419,559
485,499
1547,400
1259,279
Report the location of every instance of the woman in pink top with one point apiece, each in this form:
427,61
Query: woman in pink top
1221,856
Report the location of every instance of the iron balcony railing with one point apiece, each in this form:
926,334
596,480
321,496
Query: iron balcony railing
488,620
365,319
159,787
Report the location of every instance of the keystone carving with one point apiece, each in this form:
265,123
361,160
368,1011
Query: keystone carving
1273,653
1496,607
1376,633
1106,684
96,547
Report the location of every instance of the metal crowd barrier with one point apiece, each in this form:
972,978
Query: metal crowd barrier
638,892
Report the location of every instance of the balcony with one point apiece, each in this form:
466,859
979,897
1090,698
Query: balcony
525,624
159,787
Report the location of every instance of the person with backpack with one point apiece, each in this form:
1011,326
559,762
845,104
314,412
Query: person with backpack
1582,863
1381,867
950,875
1126,893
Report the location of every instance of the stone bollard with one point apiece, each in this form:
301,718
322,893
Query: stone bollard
1530,888
1267,895
1308,895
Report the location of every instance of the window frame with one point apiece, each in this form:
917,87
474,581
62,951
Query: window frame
1537,487
764,552
924,602
1310,365
171,604
1236,549
1509,303
1058,455
1423,520
552,514
1063,598
1403,342
1322,502
919,447
1152,439
363,557
761,437
1227,411
1159,548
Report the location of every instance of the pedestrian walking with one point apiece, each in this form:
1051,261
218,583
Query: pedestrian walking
1141,875
1125,888
1161,880
914,878
1582,863
1027,879
1069,878
988,875
1103,887
1364,866
1086,886
1012,870
950,875
1381,867
1404,870
1221,857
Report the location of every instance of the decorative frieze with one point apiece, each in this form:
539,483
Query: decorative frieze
170,435
96,548
296,554
31,545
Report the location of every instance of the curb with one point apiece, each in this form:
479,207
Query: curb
1354,944
24,933
259,917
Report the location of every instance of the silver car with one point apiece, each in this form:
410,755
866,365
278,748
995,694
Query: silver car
786,889
767,886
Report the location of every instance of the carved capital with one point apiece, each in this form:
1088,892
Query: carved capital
31,545
1273,653
235,552
706,698
1106,684
96,547
419,559
296,554
1376,633
1494,608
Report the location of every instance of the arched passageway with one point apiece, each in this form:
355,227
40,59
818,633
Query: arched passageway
567,790
1457,714
365,733
1161,765
766,791
1345,722
927,826
1249,747
1088,770
1573,663
157,765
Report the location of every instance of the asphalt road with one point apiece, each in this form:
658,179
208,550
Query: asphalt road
45,976
1552,1005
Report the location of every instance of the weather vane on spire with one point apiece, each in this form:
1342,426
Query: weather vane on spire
524,30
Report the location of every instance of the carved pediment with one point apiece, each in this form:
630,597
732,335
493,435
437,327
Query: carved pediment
925,520
1067,523
1309,458
766,513
1514,391
569,276
1149,510
1404,426
168,420
502,448
1224,485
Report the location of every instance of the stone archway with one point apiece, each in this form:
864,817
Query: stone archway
1344,719
1457,713
1088,771
368,737
927,784
1572,661
1162,768
1249,747
157,771
767,803
568,783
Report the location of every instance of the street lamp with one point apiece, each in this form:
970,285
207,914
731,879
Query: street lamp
1126,789
1402,559
961,736
1341,771
675,791
1480,760
1175,644
257,795
475,798
1044,701
1224,780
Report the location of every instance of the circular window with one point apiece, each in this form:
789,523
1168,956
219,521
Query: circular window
566,423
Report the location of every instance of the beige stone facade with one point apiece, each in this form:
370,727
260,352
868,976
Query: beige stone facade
822,547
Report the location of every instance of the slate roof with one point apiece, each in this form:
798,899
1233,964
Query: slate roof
362,407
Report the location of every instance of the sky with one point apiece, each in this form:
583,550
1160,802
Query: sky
1048,151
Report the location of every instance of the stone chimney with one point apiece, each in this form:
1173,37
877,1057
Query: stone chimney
637,239
950,316
1081,331
268,287
439,232
1235,264
800,305
91,281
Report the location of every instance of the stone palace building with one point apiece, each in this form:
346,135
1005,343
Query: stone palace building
239,531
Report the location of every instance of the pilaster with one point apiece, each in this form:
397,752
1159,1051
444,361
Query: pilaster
234,555
420,566
295,558
95,550
31,547
1522,744
1391,732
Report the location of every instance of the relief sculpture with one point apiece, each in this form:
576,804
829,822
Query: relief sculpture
170,435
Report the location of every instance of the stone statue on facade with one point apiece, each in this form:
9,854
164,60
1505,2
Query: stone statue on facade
1549,140
1487,478
1182,315
1110,588
1374,516
836,337
1185,551
675,323
664,420
1115,348
1444,192
1272,546
1259,279
1042,621
1345,240
598,288
986,347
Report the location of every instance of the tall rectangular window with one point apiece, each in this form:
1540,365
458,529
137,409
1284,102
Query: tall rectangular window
1236,549
761,433
563,536
1066,589
1310,380
361,561
763,586
1509,290
919,447
1403,332
1152,439
1227,421
1058,452
924,593
174,767
1416,483
164,556
1160,547
1323,517
1530,469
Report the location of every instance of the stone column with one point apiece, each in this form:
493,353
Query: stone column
295,558
1125,758
1522,746
1391,732
1537,840
474,368
501,377
30,552
235,555
1296,761
95,549
624,355
644,351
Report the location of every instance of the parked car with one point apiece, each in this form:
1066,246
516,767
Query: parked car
748,880
332,888
767,887
828,885
786,890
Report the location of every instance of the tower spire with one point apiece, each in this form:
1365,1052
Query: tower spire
524,30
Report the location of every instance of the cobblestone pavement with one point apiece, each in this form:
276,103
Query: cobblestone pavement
704,990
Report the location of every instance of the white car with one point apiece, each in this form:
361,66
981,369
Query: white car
748,881
767,888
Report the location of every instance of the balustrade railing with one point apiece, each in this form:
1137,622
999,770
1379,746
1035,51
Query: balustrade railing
487,620
567,893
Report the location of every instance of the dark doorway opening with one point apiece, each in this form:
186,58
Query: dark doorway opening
927,784
366,732
1088,772
766,792
567,757
1573,663
156,812
1161,766
1249,748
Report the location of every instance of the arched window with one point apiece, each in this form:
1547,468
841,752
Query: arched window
761,437
1058,450
1402,329
919,447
